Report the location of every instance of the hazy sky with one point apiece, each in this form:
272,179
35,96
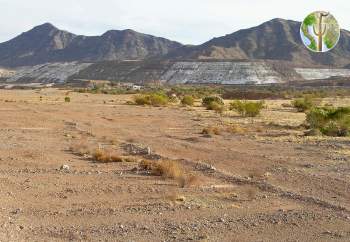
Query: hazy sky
186,21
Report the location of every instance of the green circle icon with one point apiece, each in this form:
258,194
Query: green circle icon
320,31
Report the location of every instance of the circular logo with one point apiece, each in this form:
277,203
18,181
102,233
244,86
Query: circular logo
320,31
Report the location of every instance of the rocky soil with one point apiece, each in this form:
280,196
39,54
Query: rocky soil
268,183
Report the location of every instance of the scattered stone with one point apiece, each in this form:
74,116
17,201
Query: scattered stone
149,151
65,168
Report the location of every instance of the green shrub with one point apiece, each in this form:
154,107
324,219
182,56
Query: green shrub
217,107
246,108
154,99
330,121
187,101
67,99
208,100
303,104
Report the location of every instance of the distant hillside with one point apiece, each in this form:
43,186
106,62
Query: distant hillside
46,43
277,39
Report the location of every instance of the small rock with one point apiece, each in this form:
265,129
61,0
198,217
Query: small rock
65,168
222,220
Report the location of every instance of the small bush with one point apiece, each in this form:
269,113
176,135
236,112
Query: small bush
210,99
236,129
217,107
246,108
188,181
67,99
104,156
165,168
187,101
154,99
330,121
80,148
211,130
303,104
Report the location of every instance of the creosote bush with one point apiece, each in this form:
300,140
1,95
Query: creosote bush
187,101
303,104
330,121
153,99
210,99
67,99
214,103
247,108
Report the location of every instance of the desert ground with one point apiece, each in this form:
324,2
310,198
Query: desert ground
262,180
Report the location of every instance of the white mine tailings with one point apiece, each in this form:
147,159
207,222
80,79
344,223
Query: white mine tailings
51,72
221,72
193,72
314,74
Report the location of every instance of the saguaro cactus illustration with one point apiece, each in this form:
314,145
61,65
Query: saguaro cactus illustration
321,31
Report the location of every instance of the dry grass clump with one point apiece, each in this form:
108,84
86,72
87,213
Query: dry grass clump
210,130
165,168
231,129
236,129
188,181
80,148
104,156
251,194
169,169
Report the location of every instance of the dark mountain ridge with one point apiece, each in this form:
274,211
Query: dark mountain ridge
46,43
276,40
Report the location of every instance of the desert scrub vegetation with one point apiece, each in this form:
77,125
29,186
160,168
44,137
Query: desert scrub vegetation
229,128
187,100
214,103
105,156
67,99
153,99
211,130
304,104
171,170
80,148
164,168
330,121
247,108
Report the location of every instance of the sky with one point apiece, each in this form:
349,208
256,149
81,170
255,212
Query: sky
186,21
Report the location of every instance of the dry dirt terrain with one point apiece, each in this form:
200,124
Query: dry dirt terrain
262,180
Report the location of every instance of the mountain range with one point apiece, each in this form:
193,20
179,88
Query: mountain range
46,43
277,39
